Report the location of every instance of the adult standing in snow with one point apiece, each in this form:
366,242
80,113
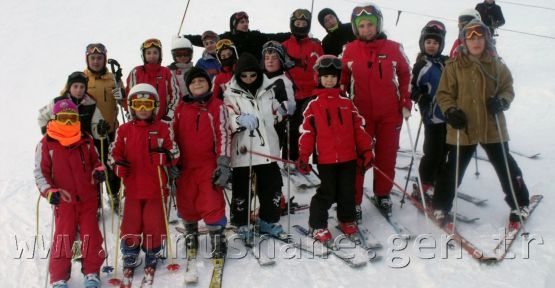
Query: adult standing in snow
72,192
474,90
182,54
425,79
101,86
338,35
153,73
491,15
376,73
209,61
246,40
303,51
254,109
465,17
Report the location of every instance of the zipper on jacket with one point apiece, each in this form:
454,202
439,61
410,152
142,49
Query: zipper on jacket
197,121
380,68
305,64
82,158
105,99
339,115
328,117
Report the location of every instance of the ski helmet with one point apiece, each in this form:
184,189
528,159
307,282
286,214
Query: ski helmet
275,47
181,43
300,14
235,18
64,105
223,45
143,91
77,77
149,43
434,30
327,65
468,15
369,12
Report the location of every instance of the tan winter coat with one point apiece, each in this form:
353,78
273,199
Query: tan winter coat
100,88
464,84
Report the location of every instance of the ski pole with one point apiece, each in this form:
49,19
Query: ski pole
509,178
389,179
50,254
114,281
244,150
311,11
288,127
413,146
110,195
251,136
117,79
106,268
411,160
457,161
172,266
183,19
477,173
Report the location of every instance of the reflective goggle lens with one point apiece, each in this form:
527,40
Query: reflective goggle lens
142,104
67,117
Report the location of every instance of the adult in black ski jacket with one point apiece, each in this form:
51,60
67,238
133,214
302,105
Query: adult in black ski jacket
245,40
338,35
491,14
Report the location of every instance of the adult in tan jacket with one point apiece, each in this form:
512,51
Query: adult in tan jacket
102,87
474,90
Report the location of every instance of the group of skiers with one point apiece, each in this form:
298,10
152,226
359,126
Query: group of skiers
250,97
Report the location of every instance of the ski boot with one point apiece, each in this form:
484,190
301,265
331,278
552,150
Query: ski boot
92,280
442,217
191,238
60,284
428,193
516,214
218,241
322,235
384,205
348,228
272,229
358,214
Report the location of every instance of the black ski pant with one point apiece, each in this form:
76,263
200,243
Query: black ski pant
112,181
435,152
267,186
445,187
338,185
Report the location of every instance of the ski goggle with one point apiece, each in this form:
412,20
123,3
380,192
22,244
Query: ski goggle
272,46
248,75
183,53
326,62
436,25
96,48
368,10
240,15
301,14
224,43
67,118
474,30
152,43
144,104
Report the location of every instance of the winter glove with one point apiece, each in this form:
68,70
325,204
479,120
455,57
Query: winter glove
102,128
456,118
99,174
161,156
222,173
174,172
496,105
248,121
122,168
418,92
279,91
303,166
286,108
53,195
367,159
117,94
406,113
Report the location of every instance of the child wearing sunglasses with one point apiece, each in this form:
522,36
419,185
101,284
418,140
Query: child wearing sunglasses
202,133
333,131
474,90
67,172
253,112
425,79
76,91
160,77
143,148
182,53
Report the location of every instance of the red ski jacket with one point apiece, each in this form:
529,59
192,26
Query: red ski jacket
133,145
201,132
377,76
69,168
334,127
221,81
165,83
304,53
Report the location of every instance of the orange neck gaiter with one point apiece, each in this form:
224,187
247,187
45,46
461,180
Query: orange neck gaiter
65,134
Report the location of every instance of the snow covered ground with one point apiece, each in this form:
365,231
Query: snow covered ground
43,41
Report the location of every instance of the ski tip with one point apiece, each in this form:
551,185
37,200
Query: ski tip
114,282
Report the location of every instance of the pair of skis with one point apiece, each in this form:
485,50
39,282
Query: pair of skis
148,278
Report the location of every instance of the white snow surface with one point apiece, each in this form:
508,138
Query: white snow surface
44,41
